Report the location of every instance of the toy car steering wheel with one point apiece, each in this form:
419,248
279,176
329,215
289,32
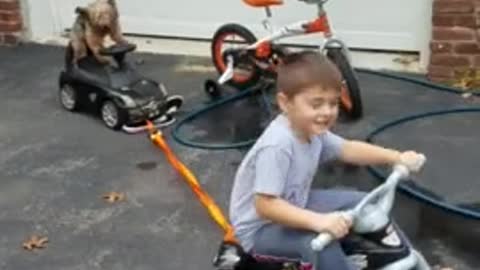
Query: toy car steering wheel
117,49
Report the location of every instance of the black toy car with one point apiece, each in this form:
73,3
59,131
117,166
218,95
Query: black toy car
121,96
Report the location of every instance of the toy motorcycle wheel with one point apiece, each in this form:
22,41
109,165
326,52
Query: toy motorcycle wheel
112,116
68,97
174,103
351,100
231,37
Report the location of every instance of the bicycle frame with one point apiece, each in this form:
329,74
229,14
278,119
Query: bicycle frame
263,46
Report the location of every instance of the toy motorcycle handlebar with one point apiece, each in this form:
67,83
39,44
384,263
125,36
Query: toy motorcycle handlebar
372,212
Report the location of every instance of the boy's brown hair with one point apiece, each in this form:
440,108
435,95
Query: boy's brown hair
304,69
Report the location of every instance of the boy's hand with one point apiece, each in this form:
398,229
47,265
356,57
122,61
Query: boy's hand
412,160
334,223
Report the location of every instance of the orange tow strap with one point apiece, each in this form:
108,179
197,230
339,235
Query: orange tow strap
212,208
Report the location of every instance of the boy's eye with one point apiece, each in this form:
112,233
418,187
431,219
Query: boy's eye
335,102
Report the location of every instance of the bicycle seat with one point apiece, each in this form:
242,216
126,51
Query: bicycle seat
263,3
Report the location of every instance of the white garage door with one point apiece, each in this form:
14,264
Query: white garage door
367,24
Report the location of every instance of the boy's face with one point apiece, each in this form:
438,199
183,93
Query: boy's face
312,111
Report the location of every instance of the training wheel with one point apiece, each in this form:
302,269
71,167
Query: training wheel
212,88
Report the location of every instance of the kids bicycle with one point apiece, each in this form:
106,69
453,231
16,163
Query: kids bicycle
248,60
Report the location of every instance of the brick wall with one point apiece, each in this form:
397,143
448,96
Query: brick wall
455,39
10,22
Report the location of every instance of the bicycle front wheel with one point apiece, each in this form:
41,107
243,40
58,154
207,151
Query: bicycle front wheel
232,37
351,99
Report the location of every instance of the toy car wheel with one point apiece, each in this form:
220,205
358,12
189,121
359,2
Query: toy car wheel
174,103
68,97
113,116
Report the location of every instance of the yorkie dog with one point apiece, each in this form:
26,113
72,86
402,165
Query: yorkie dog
92,25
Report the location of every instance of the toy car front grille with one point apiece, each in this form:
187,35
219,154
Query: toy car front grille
147,89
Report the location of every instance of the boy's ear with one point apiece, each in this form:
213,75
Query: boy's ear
282,101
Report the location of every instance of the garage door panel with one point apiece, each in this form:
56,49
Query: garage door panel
367,24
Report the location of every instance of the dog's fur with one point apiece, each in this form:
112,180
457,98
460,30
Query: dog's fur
92,25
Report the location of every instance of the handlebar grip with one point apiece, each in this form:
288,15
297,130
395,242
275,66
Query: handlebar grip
419,164
405,169
321,241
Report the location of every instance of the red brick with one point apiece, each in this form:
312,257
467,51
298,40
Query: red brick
466,21
469,21
10,27
476,62
10,16
440,71
9,5
453,33
449,60
452,6
439,79
443,20
467,48
440,47
11,39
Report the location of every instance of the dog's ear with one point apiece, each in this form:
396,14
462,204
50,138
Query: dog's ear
112,3
81,11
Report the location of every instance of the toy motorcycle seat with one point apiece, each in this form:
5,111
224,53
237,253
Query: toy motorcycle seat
281,263
232,256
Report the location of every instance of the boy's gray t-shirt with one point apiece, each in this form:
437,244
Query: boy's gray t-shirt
279,165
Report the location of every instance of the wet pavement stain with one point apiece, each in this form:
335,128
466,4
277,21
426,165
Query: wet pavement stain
147,165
